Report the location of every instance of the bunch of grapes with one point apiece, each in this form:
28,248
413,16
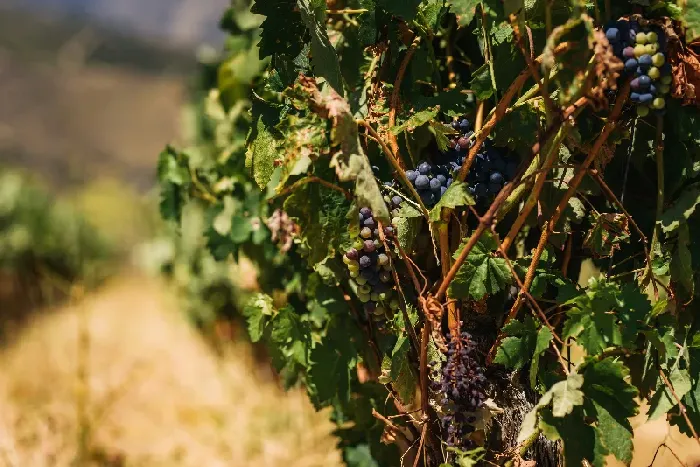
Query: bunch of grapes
461,391
370,268
490,171
642,51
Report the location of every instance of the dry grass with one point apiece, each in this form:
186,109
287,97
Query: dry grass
156,395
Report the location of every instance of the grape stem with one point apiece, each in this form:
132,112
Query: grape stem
549,226
394,101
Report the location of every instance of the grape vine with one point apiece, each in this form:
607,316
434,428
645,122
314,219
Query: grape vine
471,220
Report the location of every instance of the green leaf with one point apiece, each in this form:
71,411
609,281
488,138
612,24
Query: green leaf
516,350
481,82
330,365
566,395
401,374
405,9
455,196
408,225
258,312
578,437
282,30
663,399
261,155
544,338
613,403
465,10
690,18
173,175
681,209
416,120
323,56
359,456
482,273
682,262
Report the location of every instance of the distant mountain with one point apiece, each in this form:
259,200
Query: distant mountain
186,22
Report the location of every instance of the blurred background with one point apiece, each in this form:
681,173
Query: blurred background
119,343
112,352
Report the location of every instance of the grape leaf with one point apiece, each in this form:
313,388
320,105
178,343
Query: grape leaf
261,155
291,337
690,18
565,395
416,120
282,29
544,338
681,209
481,82
174,178
663,399
359,456
516,350
465,10
330,364
482,273
323,56
405,9
408,224
610,399
682,262
401,373
455,196
578,437
257,312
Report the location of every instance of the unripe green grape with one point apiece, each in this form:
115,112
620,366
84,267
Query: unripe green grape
658,103
641,38
387,267
364,289
377,318
361,280
382,259
374,296
353,267
379,310
394,304
355,274
651,49
667,79
366,232
387,199
364,298
658,60
382,296
359,243
651,37
642,110
346,260
664,88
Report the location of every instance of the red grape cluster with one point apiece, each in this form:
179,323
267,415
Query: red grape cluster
642,51
370,268
461,388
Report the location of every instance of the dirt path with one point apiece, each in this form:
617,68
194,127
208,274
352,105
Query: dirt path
156,395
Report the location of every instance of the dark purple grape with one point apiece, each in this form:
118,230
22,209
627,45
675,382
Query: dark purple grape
634,97
365,262
396,200
634,85
422,182
370,307
424,168
464,124
442,190
463,142
645,98
388,230
442,179
628,52
645,62
630,65
411,175
370,222
613,35
448,182
435,185
494,188
366,212
369,246
480,189
644,82
351,254
428,198
496,177
652,90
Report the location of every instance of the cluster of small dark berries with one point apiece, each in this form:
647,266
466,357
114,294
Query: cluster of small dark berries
641,48
370,268
461,389
490,171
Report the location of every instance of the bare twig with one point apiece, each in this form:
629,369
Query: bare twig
311,179
394,101
681,407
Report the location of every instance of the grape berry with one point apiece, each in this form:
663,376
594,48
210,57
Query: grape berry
370,268
642,50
